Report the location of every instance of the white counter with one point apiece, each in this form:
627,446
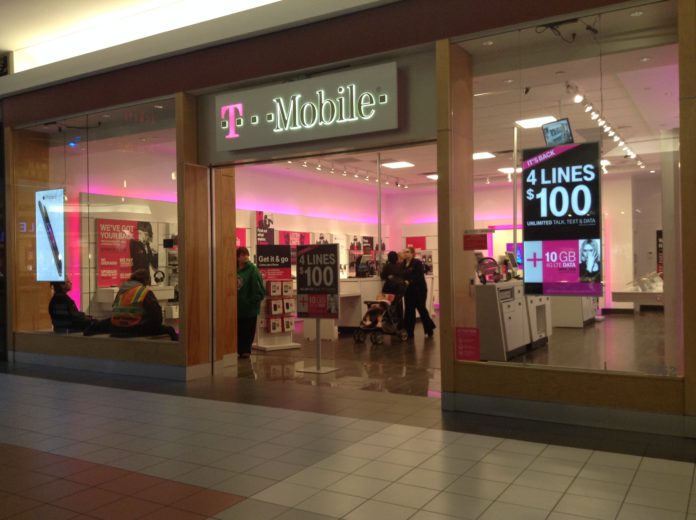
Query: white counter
107,294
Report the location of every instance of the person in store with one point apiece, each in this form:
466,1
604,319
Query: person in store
393,276
590,268
65,316
136,311
141,252
250,292
416,294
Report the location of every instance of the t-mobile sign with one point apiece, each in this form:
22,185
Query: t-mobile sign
562,220
354,101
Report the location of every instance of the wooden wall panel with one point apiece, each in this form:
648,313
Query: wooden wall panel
27,172
195,285
626,391
455,167
687,187
225,271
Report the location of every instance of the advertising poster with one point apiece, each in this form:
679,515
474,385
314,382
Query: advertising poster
317,281
355,244
241,237
562,220
415,242
265,233
368,244
114,262
274,262
468,344
323,238
294,238
660,248
50,236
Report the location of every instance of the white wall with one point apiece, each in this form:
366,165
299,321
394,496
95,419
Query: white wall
647,219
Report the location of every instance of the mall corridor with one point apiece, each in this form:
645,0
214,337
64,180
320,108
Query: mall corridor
75,450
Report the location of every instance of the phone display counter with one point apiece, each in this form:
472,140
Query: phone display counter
540,320
573,311
502,320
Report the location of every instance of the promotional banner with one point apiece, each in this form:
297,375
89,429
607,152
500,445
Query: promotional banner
660,248
317,281
50,236
274,262
368,244
415,242
562,220
265,233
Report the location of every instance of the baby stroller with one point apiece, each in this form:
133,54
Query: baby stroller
383,316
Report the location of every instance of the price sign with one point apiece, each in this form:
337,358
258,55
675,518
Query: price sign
562,220
317,281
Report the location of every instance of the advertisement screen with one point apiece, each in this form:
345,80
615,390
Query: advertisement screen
562,220
50,236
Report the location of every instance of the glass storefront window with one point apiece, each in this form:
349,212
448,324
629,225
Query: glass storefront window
115,172
614,78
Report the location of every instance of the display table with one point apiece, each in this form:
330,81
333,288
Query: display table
354,292
573,311
638,298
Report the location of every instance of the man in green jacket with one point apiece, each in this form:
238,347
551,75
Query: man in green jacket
250,293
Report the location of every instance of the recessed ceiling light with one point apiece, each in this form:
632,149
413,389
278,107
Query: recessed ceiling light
652,171
635,14
509,171
605,162
508,81
398,164
158,107
578,98
487,43
483,155
432,176
645,59
535,122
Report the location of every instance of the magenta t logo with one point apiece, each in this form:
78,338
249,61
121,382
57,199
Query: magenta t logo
230,113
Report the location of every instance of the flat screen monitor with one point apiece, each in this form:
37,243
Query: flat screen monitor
557,132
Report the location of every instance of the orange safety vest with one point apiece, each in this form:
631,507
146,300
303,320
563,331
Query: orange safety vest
128,308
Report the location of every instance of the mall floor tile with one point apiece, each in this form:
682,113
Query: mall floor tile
485,469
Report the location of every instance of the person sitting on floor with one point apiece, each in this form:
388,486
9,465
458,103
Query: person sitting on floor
64,313
136,311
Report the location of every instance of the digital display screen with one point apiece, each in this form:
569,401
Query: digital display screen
562,220
557,132
50,236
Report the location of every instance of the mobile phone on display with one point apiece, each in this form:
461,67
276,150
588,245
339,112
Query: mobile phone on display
51,238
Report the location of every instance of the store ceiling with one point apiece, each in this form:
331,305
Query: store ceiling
631,79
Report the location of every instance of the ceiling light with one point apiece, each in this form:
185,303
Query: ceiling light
483,155
652,171
158,107
405,186
345,173
432,176
611,133
635,14
318,168
588,108
355,176
367,178
508,81
487,43
621,143
289,162
645,59
605,162
509,177
578,98
304,164
173,176
594,116
488,180
535,122
601,122
604,171
125,184
386,182
398,164
509,171
642,166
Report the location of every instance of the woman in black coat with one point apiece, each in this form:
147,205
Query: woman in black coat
416,294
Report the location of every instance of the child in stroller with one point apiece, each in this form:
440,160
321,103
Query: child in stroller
383,316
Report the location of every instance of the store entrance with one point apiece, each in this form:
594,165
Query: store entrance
370,204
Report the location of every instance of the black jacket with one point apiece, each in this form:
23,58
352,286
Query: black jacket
393,276
414,274
64,314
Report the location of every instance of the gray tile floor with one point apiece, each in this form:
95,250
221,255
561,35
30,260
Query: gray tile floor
299,464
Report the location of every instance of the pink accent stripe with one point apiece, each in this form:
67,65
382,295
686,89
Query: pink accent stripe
547,154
